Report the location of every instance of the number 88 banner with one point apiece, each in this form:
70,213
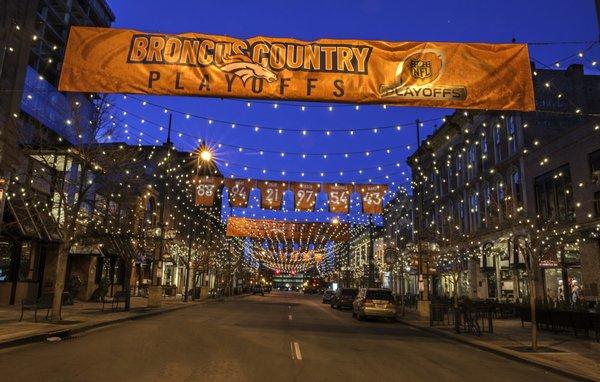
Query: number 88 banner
206,189
372,197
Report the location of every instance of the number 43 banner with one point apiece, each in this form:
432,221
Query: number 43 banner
372,197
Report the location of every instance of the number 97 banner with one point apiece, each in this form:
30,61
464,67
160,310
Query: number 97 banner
305,195
206,189
372,197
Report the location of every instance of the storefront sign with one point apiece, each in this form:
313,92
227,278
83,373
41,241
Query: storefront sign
456,75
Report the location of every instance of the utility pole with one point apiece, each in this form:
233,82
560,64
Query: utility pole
155,291
191,238
370,254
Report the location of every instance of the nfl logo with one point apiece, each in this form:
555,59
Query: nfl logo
420,69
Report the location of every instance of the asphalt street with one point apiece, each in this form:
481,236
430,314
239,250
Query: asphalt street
278,337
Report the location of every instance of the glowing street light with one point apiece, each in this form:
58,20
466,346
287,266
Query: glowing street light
205,155
335,220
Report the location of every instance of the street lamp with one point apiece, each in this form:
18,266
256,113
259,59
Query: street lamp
206,155
335,220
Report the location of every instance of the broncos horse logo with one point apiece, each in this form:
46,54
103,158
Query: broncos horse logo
243,67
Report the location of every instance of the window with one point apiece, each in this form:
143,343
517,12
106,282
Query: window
554,195
472,159
459,170
485,151
499,143
512,134
474,211
500,200
516,190
28,263
594,159
5,261
597,203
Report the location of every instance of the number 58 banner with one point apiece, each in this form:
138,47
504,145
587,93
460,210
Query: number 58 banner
206,188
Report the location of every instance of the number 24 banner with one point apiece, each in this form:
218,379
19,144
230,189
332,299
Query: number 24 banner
433,74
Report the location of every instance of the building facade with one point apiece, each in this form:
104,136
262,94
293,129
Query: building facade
484,180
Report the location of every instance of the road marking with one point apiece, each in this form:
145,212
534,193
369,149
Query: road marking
296,354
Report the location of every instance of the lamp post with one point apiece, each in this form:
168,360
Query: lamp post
155,290
191,238
371,275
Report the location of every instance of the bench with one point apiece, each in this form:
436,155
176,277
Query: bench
119,297
44,302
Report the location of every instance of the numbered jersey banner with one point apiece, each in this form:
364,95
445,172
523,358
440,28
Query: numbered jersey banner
372,197
435,74
338,197
271,194
206,188
239,191
305,195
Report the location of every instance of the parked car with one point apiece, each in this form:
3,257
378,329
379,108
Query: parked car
258,289
343,298
374,302
327,295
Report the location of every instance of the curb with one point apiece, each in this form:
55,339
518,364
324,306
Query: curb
65,333
498,350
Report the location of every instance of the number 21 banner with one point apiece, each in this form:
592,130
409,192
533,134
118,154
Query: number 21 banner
271,194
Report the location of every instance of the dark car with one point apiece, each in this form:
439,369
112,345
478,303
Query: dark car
258,289
374,302
343,298
327,295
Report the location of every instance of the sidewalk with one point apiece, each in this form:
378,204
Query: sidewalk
578,358
75,318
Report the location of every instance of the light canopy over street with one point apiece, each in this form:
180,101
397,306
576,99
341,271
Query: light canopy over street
368,190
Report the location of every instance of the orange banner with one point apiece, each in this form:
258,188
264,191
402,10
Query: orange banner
271,194
206,188
372,197
338,197
305,232
305,195
449,75
239,191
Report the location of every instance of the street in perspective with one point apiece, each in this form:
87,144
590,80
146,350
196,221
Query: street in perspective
277,190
